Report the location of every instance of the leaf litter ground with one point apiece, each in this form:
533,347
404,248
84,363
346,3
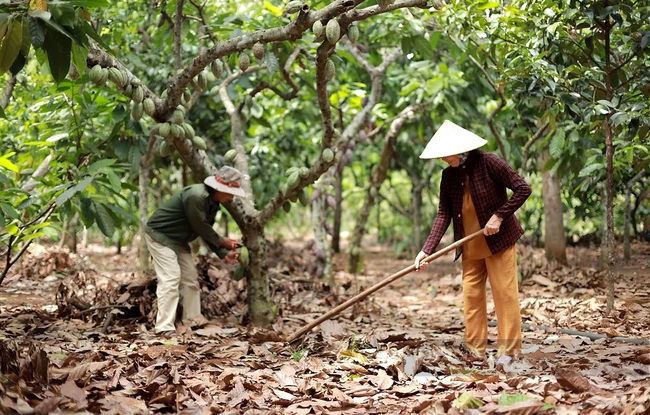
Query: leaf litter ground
76,337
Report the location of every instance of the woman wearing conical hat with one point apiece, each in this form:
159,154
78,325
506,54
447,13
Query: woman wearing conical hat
473,196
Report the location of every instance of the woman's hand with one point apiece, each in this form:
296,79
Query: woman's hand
232,257
493,225
419,265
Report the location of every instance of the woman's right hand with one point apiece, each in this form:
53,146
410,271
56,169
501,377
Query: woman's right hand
419,265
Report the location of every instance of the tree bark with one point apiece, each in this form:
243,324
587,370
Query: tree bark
554,237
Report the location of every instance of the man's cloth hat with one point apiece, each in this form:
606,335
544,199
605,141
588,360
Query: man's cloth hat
449,140
227,180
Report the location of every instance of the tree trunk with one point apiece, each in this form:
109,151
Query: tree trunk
322,247
338,212
69,238
261,311
554,238
143,208
628,213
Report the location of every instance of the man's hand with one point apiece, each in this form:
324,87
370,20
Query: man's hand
419,265
229,244
232,257
493,225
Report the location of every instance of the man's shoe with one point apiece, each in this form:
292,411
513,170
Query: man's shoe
167,334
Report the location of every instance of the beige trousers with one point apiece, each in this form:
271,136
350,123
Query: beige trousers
177,279
501,269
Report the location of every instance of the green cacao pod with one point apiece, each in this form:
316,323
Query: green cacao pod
303,171
328,155
240,272
164,129
258,51
287,206
303,197
217,68
203,80
115,76
353,33
293,6
178,117
330,70
333,31
230,155
149,106
243,256
318,29
136,111
104,77
199,142
244,61
95,74
138,94
293,180
187,96
166,150
188,129
177,131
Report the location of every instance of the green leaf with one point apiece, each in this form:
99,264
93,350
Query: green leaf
556,148
489,5
82,3
511,399
86,212
272,63
104,220
9,211
11,44
96,166
79,55
4,162
65,196
467,401
270,7
2,219
58,47
116,183
423,46
591,168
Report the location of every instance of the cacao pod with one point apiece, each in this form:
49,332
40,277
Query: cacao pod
243,256
115,76
149,106
293,180
287,206
240,272
95,74
258,51
304,172
178,117
136,111
177,131
104,76
330,70
164,129
244,61
333,31
318,29
293,6
217,68
303,197
199,142
187,96
230,155
138,94
188,130
290,171
353,33
328,155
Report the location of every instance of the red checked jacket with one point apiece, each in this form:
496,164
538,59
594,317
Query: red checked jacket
489,176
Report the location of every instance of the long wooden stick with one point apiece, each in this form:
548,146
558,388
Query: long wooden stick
379,285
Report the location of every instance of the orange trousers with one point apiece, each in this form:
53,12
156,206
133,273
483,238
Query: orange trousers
501,269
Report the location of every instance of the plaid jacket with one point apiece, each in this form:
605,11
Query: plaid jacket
489,176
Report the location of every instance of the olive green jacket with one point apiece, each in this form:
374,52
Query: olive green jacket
185,216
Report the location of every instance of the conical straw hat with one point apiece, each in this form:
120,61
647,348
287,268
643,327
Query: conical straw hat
451,139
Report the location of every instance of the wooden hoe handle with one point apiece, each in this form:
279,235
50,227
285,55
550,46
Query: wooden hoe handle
378,286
